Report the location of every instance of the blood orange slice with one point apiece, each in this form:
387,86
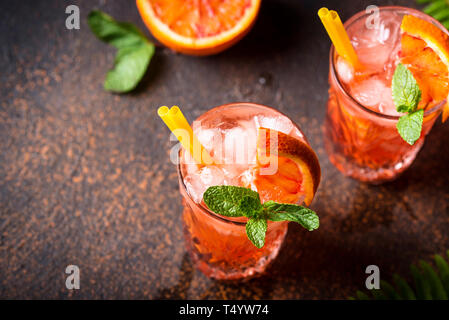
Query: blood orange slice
425,52
297,170
198,27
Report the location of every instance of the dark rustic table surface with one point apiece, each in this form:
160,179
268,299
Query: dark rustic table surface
85,177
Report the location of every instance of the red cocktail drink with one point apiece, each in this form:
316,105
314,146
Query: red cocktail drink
360,133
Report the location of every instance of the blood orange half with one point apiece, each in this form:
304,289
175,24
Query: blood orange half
298,172
198,27
425,52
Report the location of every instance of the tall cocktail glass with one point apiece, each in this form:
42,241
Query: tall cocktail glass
360,133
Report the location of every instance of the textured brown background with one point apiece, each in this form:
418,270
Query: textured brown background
84,176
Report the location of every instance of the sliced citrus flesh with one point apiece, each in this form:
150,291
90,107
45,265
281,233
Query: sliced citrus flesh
288,169
198,27
425,52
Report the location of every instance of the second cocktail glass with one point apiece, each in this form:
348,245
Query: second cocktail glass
360,133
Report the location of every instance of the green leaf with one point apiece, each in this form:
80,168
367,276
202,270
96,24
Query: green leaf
442,15
445,24
439,9
134,51
225,200
256,229
250,207
423,291
405,291
410,126
429,284
291,212
362,296
435,6
117,34
443,268
389,291
130,66
406,97
436,287
405,90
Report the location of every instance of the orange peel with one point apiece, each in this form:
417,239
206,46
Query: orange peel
298,174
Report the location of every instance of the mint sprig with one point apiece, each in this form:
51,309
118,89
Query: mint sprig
232,201
134,51
406,96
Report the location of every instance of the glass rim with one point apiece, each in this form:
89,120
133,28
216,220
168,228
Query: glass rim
332,55
179,171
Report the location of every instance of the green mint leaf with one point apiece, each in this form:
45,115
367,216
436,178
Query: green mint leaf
134,51
131,64
406,97
226,200
410,126
292,212
405,90
256,229
117,34
232,201
250,207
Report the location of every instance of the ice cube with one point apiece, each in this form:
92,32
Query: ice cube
198,181
375,57
375,44
345,70
251,131
232,174
239,146
246,179
211,176
374,94
366,34
279,123
207,137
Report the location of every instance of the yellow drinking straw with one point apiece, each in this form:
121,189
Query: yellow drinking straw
177,123
338,35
